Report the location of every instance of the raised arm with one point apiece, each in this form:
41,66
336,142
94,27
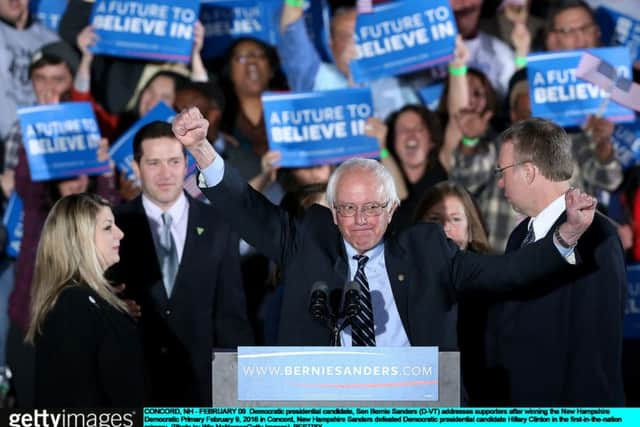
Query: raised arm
299,58
259,222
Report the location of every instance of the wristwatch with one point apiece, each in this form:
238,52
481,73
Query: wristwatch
561,241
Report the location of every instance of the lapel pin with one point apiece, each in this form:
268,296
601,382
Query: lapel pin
401,277
199,230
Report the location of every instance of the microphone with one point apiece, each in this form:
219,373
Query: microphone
319,301
351,299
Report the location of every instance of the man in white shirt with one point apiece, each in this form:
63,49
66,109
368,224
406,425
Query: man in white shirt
408,283
559,343
180,263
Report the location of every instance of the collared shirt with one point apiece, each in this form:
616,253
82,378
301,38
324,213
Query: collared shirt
544,221
387,323
475,172
179,214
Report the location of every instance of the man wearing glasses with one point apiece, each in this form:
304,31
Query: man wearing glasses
558,343
407,284
571,25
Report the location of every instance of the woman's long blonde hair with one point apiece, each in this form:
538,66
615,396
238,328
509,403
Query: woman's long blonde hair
67,256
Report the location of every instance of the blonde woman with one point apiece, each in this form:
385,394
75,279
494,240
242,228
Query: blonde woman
88,352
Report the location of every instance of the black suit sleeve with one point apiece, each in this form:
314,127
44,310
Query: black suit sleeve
597,305
232,327
262,224
502,273
67,352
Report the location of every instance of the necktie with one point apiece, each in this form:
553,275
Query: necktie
168,254
530,237
362,333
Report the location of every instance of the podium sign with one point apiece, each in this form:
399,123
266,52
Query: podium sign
330,373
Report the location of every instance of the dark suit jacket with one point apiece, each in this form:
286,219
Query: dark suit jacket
88,355
426,271
207,308
560,342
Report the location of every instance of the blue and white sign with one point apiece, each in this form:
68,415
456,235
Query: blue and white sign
313,128
49,12
13,221
626,141
121,151
632,308
337,373
557,94
227,20
403,36
431,95
61,140
619,29
160,30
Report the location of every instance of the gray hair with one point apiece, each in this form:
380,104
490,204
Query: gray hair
387,189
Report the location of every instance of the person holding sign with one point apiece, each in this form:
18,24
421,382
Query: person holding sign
251,68
306,72
22,36
412,301
51,72
571,26
88,349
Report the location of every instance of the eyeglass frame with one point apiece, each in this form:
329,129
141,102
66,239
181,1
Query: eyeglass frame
364,209
583,29
498,172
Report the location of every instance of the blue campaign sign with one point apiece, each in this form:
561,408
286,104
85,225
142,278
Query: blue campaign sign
338,373
403,36
160,30
632,307
121,151
431,94
313,128
61,140
618,28
227,20
557,94
49,12
626,141
13,221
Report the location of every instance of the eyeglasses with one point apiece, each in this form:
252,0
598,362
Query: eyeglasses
586,29
499,172
369,209
243,58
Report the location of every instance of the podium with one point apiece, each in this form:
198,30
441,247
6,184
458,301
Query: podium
225,386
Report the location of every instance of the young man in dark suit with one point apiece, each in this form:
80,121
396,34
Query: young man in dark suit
180,263
560,341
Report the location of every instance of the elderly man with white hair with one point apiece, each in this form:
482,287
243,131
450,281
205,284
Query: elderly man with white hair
408,284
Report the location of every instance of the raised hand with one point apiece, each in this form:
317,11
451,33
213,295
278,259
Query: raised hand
378,130
190,128
581,208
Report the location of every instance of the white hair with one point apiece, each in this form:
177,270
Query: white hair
387,188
